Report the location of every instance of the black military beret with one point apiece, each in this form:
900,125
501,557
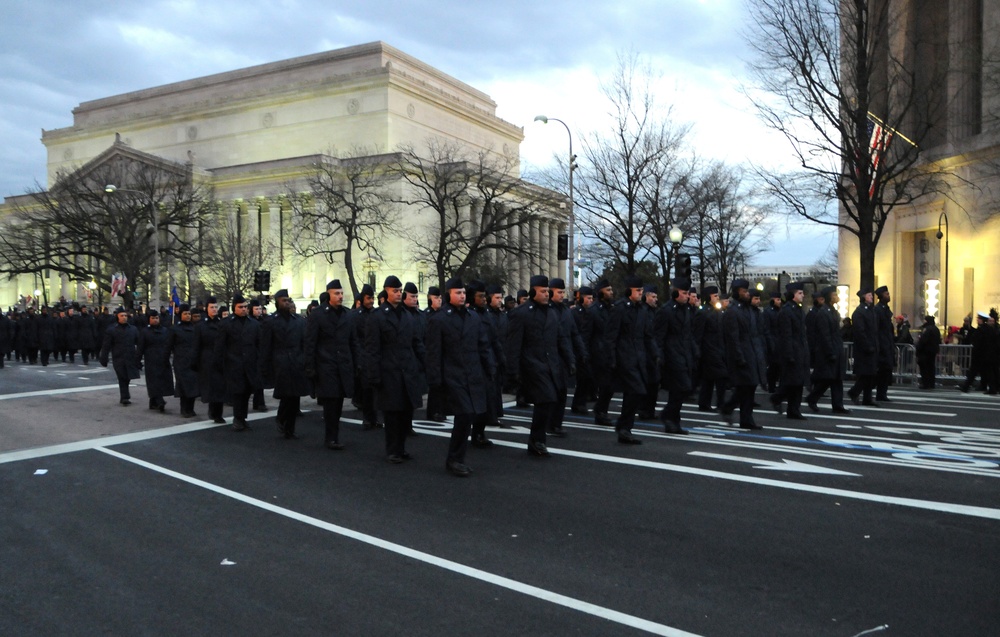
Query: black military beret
476,286
586,291
818,295
454,283
601,284
366,290
183,307
392,281
646,289
76,306
557,284
755,293
709,290
283,292
324,298
828,291
211,299
433,291
410,288
680,283
223,308
238,298
776,295
633,282
152,313
881,289
794,287
522,293
492,289
334,285
118,310
864,290
741,283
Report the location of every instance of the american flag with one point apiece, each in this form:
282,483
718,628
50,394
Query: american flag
878,141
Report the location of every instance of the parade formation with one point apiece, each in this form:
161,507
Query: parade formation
469,346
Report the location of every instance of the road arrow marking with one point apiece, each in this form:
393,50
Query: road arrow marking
772,465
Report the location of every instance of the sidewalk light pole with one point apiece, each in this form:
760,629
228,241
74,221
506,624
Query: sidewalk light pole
155,295
570,239
945,234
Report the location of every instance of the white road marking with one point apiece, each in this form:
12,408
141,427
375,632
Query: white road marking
56,392
427,558
773,465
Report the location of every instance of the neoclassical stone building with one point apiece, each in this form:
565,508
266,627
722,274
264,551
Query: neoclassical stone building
254,136
958,64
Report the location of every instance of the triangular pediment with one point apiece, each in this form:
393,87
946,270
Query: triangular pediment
119,151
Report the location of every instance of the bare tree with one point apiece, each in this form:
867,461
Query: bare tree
829,74
478,207
626,178
233,251
78,229
347,212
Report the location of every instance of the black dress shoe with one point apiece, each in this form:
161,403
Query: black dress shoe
580,410
458,469
870,403
672,427
558,432
406,455
395,459
367,426
602,419
646,415
239,425
260,408
219,421
126,402
482,442
188,414
438,418
336,446
855,399
776,405
290,435
627,438
813,406
710,410
753,426
412,432
728,417
841,410
538,449
796,417
882,399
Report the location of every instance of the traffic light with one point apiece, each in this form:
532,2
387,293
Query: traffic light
682,268
262,280
563,247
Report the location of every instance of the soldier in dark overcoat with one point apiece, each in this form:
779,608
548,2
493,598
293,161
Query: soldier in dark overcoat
628,339
927,346
120,342
460,362
886,344
585,387
5,337
707,328
650,302
46,335
393,362
793,352
770,317
827,347
86,334
184,348
411,303
258,311
435,408
282,360
211,382
675,336
237,347
572,350
154,352
497,319
744,367
535,350
364,392
330,351
597,346
865,327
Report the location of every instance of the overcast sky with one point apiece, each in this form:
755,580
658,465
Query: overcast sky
531,57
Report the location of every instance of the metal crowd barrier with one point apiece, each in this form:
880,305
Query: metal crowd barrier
952,362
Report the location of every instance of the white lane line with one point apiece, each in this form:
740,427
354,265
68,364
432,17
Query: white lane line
930,505
55,392
433,560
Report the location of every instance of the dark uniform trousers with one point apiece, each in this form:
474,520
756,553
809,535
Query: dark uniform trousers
742,398
215,410
241,404
706,390
542,415
333,408
863,385
459,438
675,400
258,399
630,404
187,405
604,394
434,406
836,388
288,411
883,378
397,424
582,392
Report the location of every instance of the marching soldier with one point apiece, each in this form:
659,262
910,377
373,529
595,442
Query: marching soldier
576,351
647,406
827,348
793,350
597,346
629,340
744,368
459,363
330,354
770,316
364,393
236,351
707,328
585,387
535,350
154,351
886,344
865,326
411,301
282,360
435,408
928,345
259,313
497,318
677,346
120,341
211,382
393,358
183,345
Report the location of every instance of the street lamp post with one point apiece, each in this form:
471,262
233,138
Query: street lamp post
946,235
676,236
571,234
155,295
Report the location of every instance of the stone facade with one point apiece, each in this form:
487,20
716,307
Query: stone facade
255,134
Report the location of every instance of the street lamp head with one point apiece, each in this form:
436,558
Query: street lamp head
676,235
541,118
940,234
110,188
92,285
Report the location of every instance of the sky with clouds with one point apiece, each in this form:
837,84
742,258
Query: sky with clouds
530,57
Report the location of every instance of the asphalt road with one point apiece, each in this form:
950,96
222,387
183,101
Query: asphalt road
126,521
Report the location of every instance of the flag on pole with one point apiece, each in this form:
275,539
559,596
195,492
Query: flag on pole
175,299
879,137
118,284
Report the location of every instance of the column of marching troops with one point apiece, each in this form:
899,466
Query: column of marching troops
471,344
